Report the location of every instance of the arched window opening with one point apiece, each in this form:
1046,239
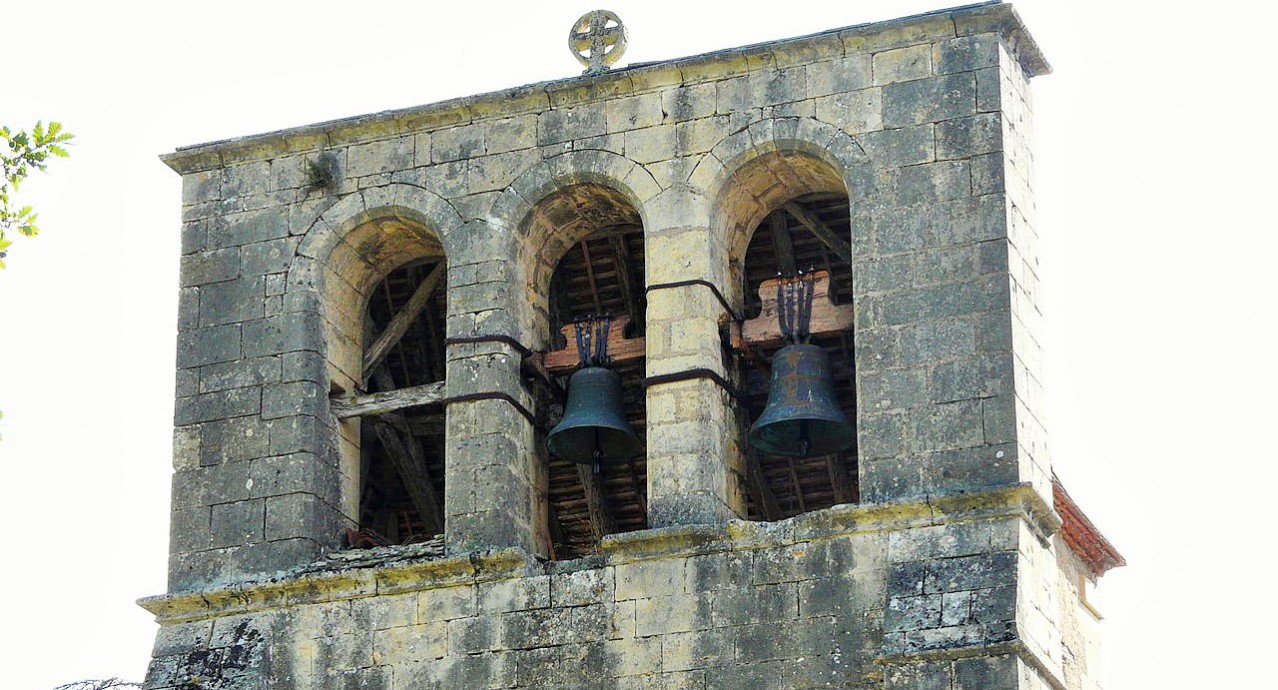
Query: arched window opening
600,273
401,487
805,234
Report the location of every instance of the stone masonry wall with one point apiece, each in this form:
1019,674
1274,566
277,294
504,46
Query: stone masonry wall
805,603
923,122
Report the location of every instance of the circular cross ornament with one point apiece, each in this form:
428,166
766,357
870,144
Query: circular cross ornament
597,40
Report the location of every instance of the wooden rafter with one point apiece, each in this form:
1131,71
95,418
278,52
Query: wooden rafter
590,276
408,457
601,521
630,290
402,320
757,484
798,486
782,244
844,489
841,247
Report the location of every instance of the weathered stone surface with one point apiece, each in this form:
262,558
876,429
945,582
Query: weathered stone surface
922,122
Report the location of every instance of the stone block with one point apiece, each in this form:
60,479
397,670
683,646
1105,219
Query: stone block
839,76
555,126
206,407
229,440
689,102
634,112
699,649
663,613
516,594
934,675
296,398
194,236
912,613
894,389
937,340
271,256
951,425
298,515
966,53
201,187
854,112
933,182
232,301
987,673
581,588
246,179
213,266
644,579
929,100
511,134
299,434
899,147
457,143
241,522
376,157
239,374
755,604
259,225
902,64
446,604
971,378
650,144
288,332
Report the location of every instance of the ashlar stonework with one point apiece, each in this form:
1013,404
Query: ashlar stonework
945,570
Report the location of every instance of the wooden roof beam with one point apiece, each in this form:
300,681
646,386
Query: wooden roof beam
841,247
384,402
632,295
601,521
782,244
402,320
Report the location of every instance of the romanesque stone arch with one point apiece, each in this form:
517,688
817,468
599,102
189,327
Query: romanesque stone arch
599,176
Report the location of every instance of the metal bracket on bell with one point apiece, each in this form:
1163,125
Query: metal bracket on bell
592,340
794,308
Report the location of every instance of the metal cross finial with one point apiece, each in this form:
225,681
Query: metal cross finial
597,40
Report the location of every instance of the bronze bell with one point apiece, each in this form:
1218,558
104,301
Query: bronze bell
803,416
594,427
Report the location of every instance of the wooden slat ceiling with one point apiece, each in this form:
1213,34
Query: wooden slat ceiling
590,280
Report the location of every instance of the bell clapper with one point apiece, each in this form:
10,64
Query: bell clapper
597,454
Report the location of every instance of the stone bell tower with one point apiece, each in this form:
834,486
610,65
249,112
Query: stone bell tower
380,318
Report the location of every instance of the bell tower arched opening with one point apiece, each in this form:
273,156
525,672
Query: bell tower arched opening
788,218
402,452
592,266
385,295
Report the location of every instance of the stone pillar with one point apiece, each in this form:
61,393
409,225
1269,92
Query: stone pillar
494,480
692,476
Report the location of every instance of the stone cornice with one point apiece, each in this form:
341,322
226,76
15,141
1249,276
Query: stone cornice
1013,501
991,17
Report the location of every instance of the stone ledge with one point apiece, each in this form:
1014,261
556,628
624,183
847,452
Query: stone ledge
1013,501
989,17
1017,500
1015,647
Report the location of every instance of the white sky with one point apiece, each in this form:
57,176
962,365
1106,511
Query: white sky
1155,159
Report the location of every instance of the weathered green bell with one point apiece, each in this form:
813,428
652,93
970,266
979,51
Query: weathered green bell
802,416
594,427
